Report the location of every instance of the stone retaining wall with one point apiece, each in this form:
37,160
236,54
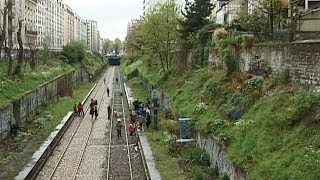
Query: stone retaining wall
218,157
25,108
301,58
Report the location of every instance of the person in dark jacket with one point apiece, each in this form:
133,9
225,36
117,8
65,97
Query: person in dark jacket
148,120
96,111
118,127
109,112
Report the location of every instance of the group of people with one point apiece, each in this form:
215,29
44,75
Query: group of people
94,108
138,117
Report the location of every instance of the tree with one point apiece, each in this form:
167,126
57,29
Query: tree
4,13
255,23
74,52
195,17
45,51
107,46
17,70
117,45
272,9
154,36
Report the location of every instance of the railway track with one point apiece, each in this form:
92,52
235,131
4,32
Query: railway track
71,156
118,147
90,149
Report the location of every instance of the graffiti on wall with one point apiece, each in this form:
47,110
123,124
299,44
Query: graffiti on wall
5,118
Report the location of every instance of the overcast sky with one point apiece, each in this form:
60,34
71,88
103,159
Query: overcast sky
112,15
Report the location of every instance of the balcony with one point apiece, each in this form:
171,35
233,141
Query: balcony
31,33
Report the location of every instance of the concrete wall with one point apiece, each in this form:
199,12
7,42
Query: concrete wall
218,157
302,59
25,107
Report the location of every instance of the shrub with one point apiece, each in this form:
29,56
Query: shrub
230,60
197,173
213,90
198,156
201,107
170,126
255,83
219,34
171,143
22,137
281,78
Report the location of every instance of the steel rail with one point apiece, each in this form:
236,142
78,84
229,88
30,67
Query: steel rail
75,131
125,129
87,140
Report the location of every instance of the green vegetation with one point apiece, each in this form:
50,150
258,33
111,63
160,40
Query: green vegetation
262,134
17,151
268,126
14,88
73,52
166,164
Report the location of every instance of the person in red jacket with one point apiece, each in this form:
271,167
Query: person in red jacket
80,110
131,129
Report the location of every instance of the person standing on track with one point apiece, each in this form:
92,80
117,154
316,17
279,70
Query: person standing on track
104,80
131,129
108,91
80,109
93,107
96,111
109,112
118,127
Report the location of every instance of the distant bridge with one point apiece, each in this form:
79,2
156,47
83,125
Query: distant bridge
113,59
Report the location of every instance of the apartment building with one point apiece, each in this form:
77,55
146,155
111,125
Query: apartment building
22,11
68,24
50,23
217,5
230,10
80,28
30,32
92,35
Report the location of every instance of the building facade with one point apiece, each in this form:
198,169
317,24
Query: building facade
20,13
50,24
229,10
80,28
30,32
92,35
68,24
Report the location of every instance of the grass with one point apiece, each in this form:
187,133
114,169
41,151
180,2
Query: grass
278,136
13,88
166,164
37,135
